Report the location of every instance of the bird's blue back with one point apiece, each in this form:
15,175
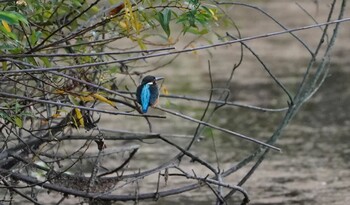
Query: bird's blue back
145,97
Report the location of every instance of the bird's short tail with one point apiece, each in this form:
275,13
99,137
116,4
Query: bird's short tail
144,109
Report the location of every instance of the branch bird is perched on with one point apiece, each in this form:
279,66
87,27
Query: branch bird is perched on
148,92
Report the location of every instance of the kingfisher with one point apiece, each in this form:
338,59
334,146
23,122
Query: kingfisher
147,92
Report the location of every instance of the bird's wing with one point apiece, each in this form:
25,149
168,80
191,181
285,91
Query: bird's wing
138,93
155,95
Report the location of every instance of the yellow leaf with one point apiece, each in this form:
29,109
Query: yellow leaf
58,91
138,26
141,44
213,14
56,115
86,98
79,117
130,18
128,5
4,65
103,99
165,90
6,26
123,25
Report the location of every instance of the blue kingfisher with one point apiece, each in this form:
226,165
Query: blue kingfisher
147,93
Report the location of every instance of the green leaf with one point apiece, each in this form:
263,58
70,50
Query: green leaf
46,61
73,100
164,20
194,2
7,47
9,17
18,122
34,37
32,61
76,3
113,70
197,31
12,17
17,107
5,116
147,19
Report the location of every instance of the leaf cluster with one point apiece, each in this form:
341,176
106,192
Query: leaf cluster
34,34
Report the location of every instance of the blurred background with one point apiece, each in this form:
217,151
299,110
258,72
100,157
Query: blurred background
313,167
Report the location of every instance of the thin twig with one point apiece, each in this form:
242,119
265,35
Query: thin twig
219,128
9,95
122,165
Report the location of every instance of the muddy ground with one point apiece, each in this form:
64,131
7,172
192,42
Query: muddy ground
313,167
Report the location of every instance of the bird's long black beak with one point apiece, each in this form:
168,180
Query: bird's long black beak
159,78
